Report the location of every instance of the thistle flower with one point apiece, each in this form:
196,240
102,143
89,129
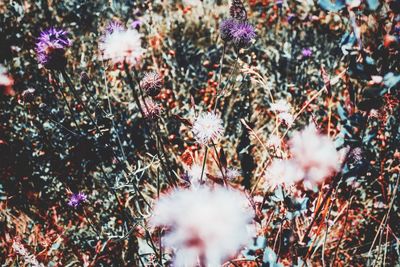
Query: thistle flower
207,127
119,45
286,117
150,108
50,48
274,141
205,225
306,52
114,26
231,173
242,34
281,106
151,83
194,173
315,154
76,199
225,29
285,172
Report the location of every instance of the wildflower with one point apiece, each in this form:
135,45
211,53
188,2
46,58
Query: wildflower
285,172
119,45
206,225
151,83
136,24
315,154
194,173
242,34
281,106
287,118
114,26
274,141
225,29
207,127
150,108
76,199
231,173
50,48
306,52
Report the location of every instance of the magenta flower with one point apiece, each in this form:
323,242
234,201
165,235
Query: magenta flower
306,52
50,48
76,199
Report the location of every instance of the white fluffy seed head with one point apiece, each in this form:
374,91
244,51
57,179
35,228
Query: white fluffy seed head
281,106
211,224
122,45
315,154
285,172
207,127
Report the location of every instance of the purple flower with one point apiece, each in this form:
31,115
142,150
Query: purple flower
291,17
50,48
306,52
225,29
136,24
114,26
76,199
242,34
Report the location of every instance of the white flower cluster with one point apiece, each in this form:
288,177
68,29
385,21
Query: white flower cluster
205,225
314,158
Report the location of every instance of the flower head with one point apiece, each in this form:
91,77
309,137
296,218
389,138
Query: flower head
76,199
211,224
306,52
315,154
283,172
207,127
194,173
50,48
225,29
274,141
114,26
281,106
119,45
150,108
286,117
151,83
242,34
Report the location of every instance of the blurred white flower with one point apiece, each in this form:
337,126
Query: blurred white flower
231,173
274,141
194,173
207,127
287,118
315,154
119,45
194,3
281,106
285,172
207,225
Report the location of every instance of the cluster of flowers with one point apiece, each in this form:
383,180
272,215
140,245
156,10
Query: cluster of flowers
314,158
